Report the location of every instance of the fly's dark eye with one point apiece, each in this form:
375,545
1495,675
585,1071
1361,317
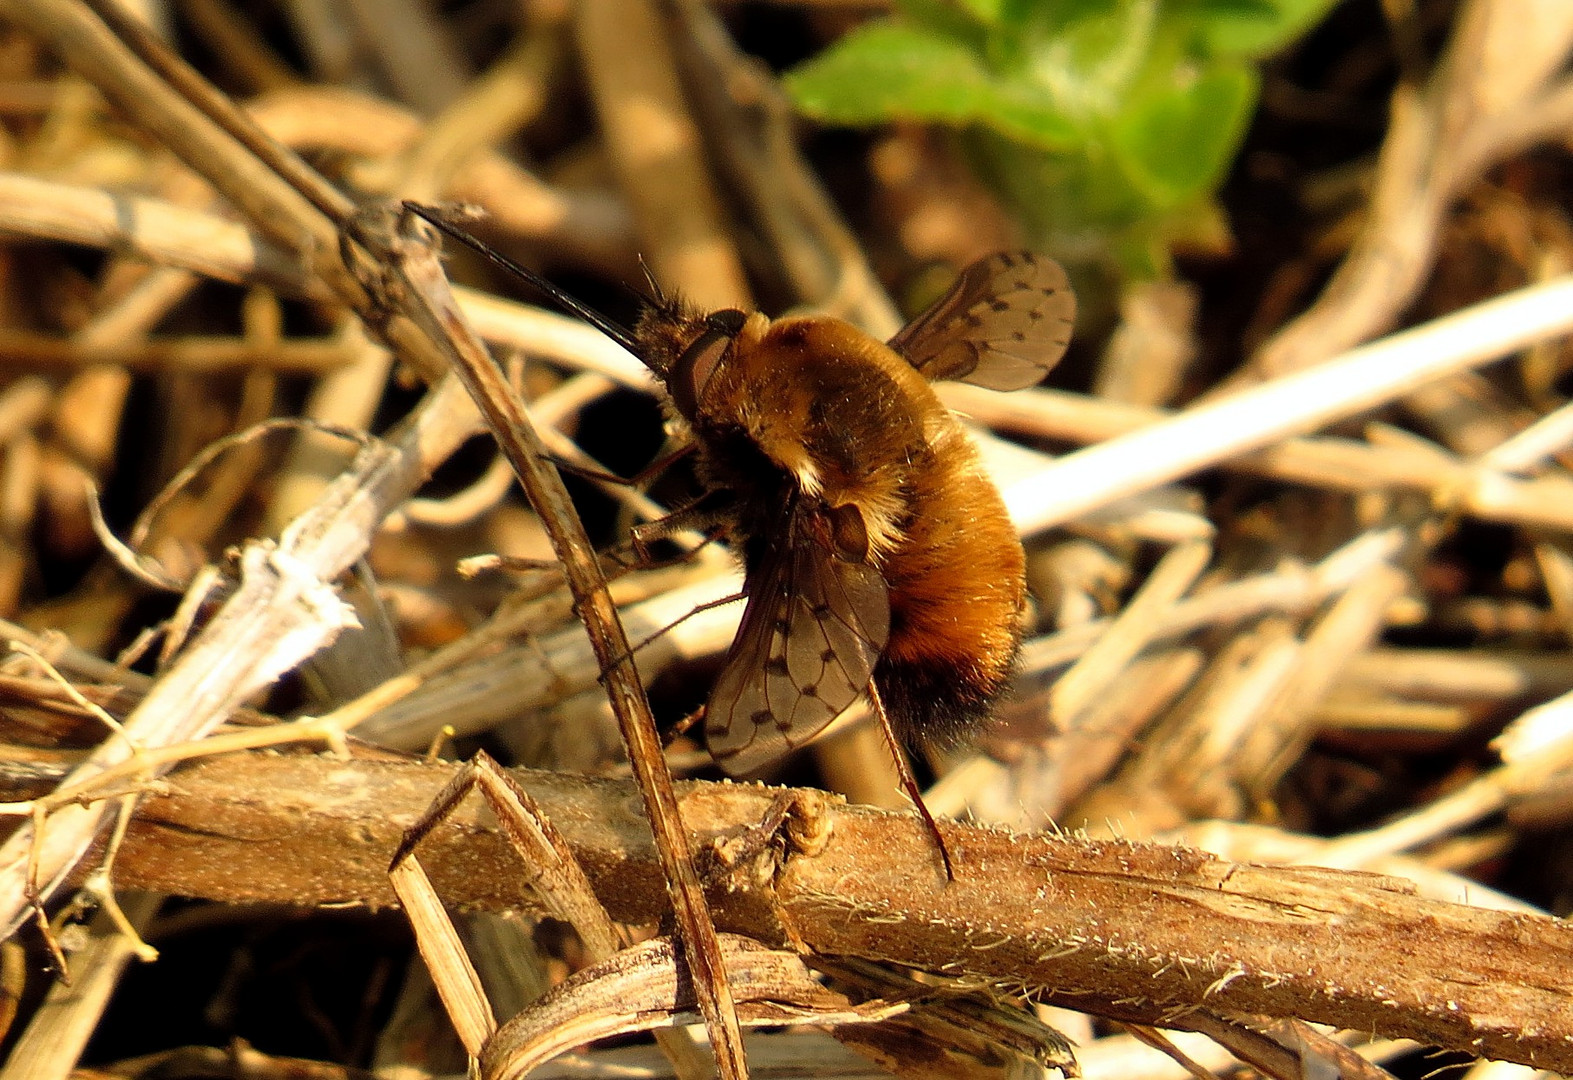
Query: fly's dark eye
687,379
728,321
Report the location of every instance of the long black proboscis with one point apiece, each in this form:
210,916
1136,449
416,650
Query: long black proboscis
567,301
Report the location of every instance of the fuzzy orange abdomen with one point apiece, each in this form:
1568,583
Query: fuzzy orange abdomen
957,589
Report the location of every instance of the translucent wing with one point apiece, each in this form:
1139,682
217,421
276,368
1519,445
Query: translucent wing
813,629
1003,324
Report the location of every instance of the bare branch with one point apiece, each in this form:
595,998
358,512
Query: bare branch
1109,926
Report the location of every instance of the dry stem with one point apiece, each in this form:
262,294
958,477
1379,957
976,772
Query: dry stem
1110,927
1360,379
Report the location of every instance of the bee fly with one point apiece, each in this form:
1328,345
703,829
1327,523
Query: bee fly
878,557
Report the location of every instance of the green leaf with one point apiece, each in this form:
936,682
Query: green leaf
1089,59
987,12
1175,141
1248,29
966,22
1026,114
889,71
1068,201
1057,13
1105,124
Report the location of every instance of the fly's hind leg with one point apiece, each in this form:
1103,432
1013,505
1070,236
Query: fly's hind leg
909,782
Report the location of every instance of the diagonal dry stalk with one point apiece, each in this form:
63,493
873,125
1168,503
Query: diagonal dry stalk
421,291
286,200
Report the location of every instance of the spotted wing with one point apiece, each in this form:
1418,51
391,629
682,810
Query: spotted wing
1003,324
813,629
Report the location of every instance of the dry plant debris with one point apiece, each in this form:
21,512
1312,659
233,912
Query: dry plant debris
1292,739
